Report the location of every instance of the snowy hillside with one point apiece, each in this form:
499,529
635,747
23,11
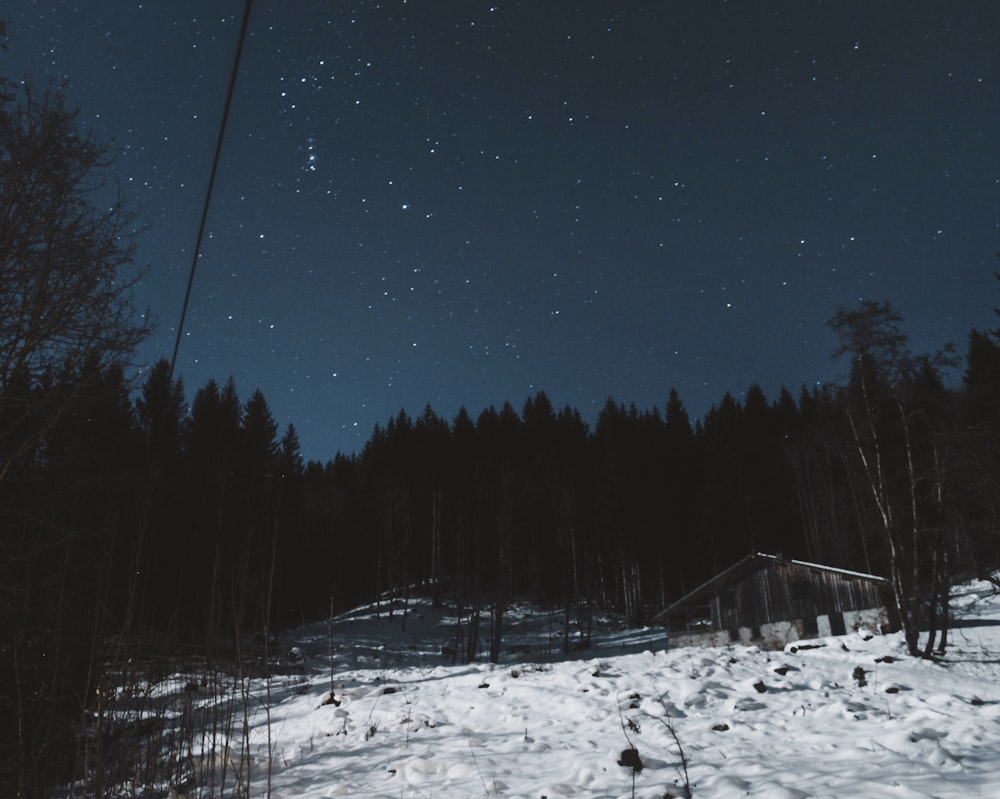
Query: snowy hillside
838,717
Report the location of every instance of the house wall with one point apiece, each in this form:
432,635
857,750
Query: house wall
768,636
781,602
874,619
781,591
778,634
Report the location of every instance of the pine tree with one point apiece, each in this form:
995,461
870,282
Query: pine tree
160,410
260,432
290,458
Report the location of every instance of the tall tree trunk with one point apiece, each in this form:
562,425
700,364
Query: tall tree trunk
436,548
875,474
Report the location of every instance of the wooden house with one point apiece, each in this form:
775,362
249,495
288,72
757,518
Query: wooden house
771,601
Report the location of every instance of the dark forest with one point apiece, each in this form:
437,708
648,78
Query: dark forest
150,528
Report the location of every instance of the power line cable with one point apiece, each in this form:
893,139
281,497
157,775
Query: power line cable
211,182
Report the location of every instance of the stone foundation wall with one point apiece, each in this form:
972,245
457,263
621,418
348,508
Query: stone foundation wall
777,635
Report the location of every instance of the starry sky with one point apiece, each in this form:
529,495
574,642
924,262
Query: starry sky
459,202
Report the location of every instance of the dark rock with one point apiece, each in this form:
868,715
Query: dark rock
760,688
720,727
630,758
859,676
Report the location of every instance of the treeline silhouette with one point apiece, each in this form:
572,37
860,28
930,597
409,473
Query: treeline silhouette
198,522
149,527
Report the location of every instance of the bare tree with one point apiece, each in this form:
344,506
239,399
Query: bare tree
67,265
67,327
897,448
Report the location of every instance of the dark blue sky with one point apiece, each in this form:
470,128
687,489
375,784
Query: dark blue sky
465,202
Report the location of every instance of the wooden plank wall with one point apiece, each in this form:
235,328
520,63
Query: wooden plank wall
785,591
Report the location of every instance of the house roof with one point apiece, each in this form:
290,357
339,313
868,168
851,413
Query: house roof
741,569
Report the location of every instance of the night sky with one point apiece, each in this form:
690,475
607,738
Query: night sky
464,203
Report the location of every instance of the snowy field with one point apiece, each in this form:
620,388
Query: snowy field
797,723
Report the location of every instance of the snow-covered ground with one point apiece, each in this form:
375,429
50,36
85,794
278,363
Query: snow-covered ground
797,723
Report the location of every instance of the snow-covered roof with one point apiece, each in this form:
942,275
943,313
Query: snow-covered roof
833,569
